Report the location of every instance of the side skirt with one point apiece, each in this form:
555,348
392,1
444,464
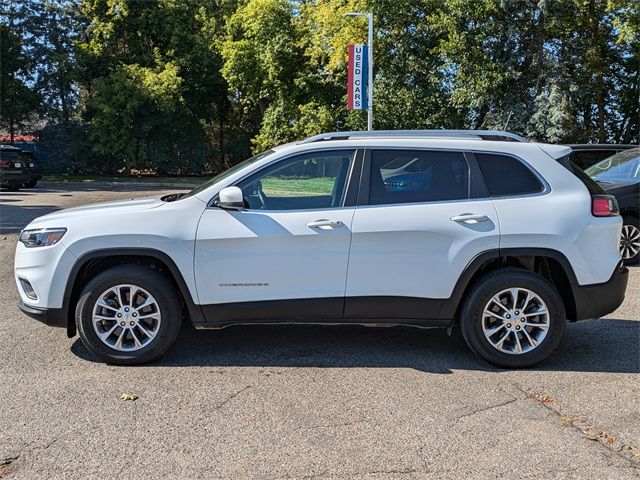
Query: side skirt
370,311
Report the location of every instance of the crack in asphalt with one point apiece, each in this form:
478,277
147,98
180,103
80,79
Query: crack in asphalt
392,471
587,430
486,409
332,425
9,460
231,397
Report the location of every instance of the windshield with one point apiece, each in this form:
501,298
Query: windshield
621,167
227,173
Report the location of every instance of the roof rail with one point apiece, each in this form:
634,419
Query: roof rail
496,135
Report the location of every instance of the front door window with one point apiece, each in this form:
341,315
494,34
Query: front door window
308,181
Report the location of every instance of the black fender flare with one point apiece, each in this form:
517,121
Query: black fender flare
195,312
450,308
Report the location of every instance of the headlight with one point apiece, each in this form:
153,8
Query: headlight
42,237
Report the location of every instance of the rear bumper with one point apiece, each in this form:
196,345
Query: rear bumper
14,179
53,317
595,301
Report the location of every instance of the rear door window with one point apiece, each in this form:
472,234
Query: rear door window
413,176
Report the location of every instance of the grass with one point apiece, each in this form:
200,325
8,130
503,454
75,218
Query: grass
288,187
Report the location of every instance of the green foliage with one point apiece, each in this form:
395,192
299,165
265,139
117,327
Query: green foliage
17,100
188,87
155,96
136,112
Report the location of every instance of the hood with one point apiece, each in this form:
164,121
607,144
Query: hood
120,207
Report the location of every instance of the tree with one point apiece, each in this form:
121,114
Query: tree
54,27
18,100
176,86
158,62
626,22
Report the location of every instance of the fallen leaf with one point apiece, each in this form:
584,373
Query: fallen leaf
566,421
129,396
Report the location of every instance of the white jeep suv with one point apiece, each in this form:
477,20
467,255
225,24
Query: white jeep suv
480,229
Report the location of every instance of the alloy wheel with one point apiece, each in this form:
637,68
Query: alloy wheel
515,321
629,241
126,317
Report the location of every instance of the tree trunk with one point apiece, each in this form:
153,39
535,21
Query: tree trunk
540,41
600,102
599,80
221,138
587,122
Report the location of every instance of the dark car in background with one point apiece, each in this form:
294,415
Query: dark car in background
13,173
585,155
619,175
32,169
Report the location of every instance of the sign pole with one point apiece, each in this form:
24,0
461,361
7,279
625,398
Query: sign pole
351,80
370,75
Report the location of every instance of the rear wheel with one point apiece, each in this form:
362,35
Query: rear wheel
513,318
128,315
630,240
30,184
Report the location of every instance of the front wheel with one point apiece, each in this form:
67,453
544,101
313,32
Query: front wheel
128,315
513,318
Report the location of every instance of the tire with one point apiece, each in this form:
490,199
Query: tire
630,230
163,322
474,322
13,187
30,184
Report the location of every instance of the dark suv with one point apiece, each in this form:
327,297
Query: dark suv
32,169
585,155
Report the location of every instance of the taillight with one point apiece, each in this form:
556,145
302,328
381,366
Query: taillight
4,163
604,206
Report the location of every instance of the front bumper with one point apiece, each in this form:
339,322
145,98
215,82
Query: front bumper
595,301
53,317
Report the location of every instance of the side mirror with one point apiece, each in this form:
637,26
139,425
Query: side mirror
231,198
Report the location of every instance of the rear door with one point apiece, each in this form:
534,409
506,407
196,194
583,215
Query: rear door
422,216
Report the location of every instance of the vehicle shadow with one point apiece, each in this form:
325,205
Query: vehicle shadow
595,346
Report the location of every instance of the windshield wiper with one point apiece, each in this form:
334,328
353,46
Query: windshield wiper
172,197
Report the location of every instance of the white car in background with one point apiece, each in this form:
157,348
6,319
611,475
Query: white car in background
502,237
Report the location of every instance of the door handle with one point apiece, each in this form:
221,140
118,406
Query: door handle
323,222
469,218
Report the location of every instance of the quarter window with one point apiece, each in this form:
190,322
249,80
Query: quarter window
417,176
309,181
507,176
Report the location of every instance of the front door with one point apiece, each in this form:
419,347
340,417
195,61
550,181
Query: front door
284,256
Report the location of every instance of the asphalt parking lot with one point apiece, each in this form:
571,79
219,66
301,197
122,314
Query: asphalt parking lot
309,402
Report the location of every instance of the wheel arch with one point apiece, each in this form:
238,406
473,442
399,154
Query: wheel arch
548,263
630,212
92,263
